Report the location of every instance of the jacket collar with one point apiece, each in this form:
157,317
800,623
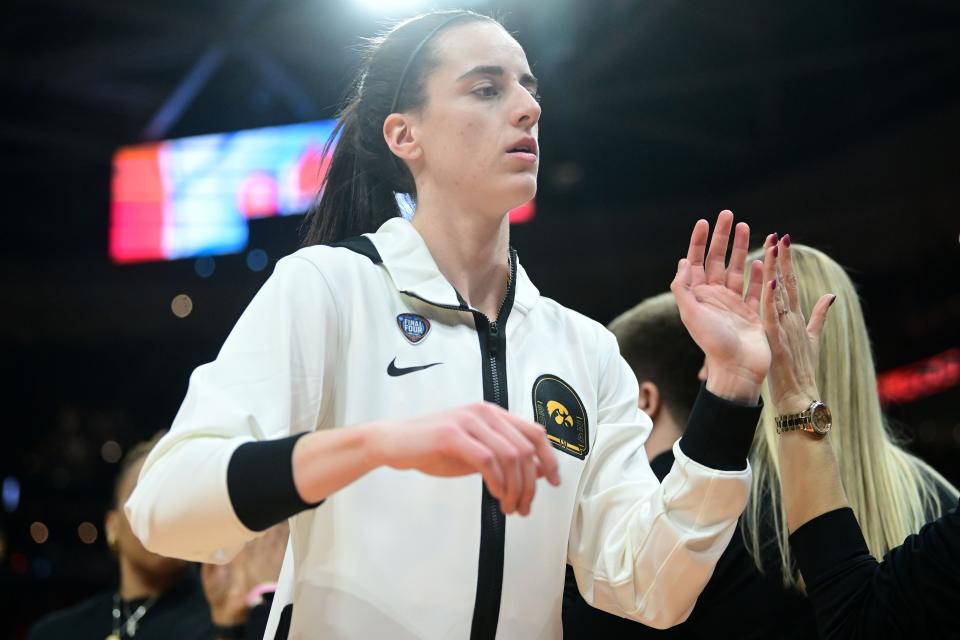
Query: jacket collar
411,267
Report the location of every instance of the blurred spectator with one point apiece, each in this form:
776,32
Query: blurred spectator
240,592
157,597
665,360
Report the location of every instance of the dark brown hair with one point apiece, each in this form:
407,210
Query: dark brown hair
659,349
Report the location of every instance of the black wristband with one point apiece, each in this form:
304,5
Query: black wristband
719,432
260,483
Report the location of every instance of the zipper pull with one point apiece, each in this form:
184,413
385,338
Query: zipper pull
493,339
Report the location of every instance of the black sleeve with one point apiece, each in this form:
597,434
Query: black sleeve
719,432
913,593
260,483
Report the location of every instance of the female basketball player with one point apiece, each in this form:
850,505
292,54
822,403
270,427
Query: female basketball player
397,387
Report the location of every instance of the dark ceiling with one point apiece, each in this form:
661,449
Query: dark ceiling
835,121
823,119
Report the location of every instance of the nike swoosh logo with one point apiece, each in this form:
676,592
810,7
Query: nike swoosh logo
394,370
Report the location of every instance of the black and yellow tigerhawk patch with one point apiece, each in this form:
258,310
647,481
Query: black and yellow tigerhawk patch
559,409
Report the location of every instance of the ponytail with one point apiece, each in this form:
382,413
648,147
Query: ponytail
358,192
352,199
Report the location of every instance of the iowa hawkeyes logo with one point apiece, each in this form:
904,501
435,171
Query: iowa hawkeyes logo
559,409
558,413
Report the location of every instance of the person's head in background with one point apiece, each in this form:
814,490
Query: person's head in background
665,360
891,491
142,573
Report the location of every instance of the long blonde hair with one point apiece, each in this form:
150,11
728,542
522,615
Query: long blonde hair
892,492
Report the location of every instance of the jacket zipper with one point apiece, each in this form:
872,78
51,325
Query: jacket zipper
493,346
494,331
493,335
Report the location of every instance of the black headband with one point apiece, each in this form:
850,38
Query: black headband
416,52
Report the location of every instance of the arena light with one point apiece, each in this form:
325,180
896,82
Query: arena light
921,379
392,7
11,494
397,8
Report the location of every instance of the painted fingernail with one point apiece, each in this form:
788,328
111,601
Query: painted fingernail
773,283
832,300
786,240
776,250
776,237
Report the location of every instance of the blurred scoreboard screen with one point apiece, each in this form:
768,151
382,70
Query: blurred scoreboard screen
194,196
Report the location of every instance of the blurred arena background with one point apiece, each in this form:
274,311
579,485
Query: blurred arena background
836,122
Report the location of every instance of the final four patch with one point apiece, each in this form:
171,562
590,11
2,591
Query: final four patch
413,327
559,409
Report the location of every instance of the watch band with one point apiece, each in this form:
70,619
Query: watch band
794,422
815,420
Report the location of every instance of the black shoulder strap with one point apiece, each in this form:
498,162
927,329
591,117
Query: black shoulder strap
361,245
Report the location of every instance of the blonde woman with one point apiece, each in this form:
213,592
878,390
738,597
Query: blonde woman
914,592
892,492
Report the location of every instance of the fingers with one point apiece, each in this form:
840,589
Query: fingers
529,471
769,315
546,456
791,290
539,458
769,270
781,303
818,317
482,458
714,265
681,286
697,250
484,428
770,318
523,451
510,452
755,286
738,257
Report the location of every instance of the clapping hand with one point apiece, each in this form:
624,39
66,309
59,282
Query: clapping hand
794,343
721,319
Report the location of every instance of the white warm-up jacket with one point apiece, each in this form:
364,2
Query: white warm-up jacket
369,330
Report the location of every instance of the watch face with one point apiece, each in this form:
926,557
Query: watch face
822,420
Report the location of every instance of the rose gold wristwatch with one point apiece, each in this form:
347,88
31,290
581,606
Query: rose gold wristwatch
815,420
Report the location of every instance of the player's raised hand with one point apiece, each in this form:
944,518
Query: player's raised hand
722,319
